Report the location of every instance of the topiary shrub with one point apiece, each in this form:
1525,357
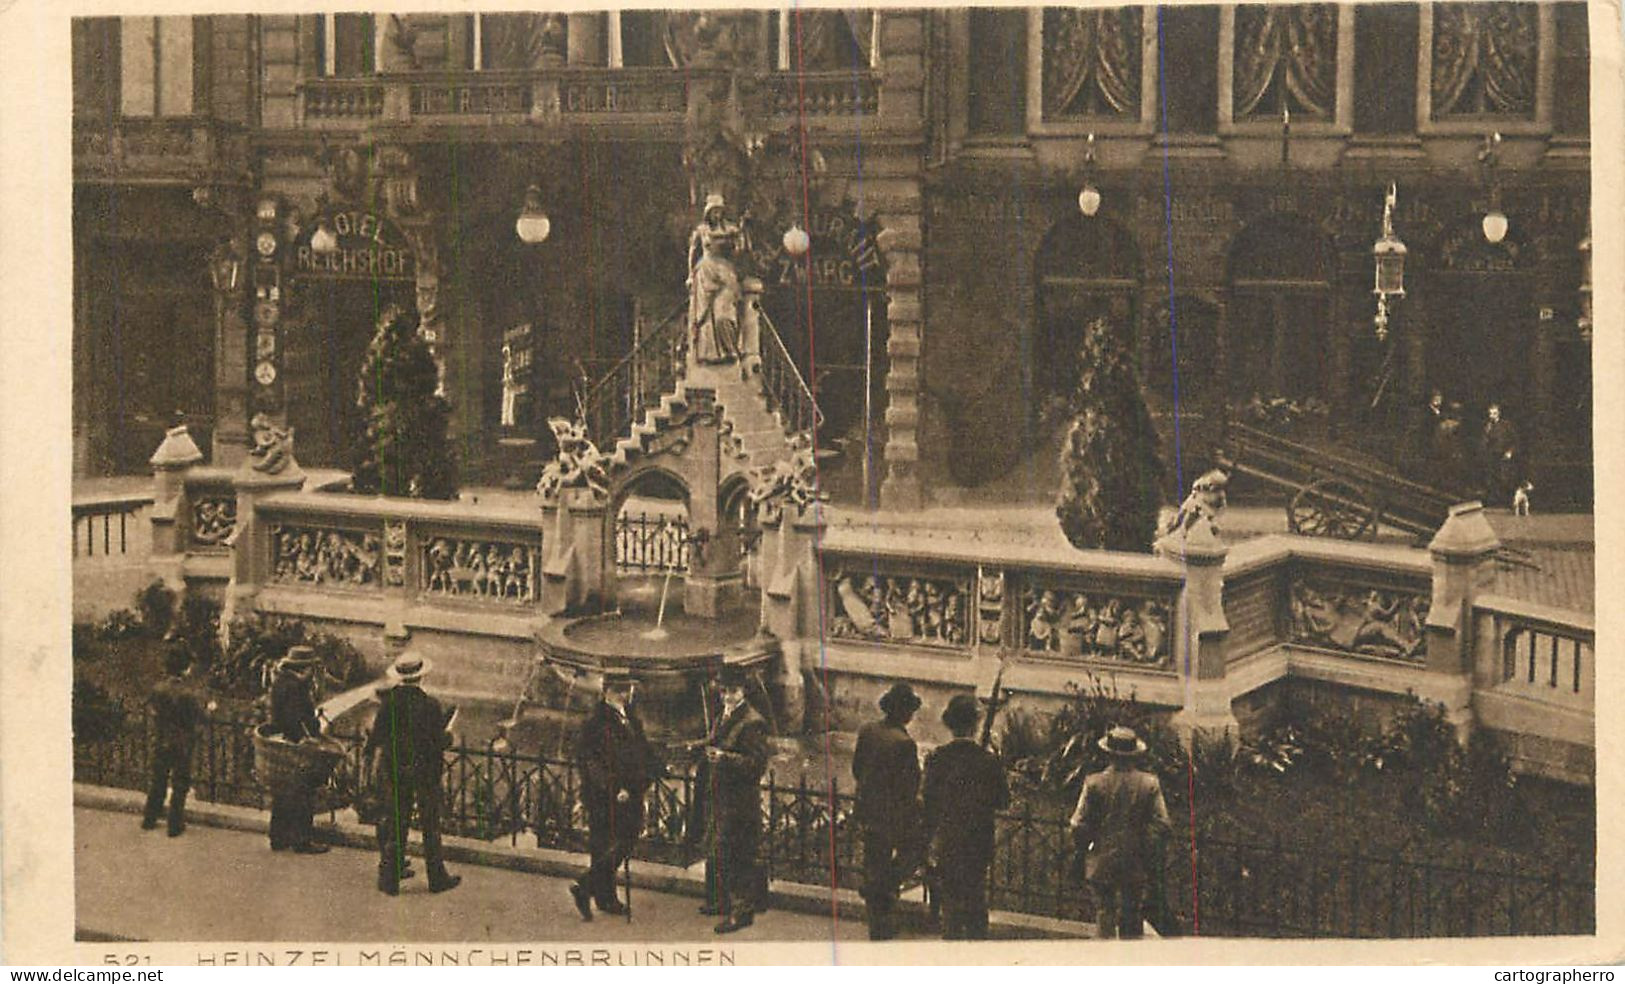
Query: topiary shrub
404,449
1111,468
155,605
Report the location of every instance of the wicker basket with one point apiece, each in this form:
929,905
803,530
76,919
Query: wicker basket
284,765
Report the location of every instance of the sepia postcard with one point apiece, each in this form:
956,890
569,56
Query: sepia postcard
803,484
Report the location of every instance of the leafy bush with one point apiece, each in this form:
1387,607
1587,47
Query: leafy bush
405,449
197,626
88,645
1214,758
1024,737
97,717
122,624
1077,728
155,604
259,641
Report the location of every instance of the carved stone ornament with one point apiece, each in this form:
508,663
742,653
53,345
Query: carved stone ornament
579,465
316,555
1356,618
926,611
272,451
1203,506
479,570
792,479
214,518
394,552
1096,626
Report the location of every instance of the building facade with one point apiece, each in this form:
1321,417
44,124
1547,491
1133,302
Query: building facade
252,191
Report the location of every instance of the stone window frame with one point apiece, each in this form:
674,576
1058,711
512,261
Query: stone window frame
1478,125
1342,122
1145,125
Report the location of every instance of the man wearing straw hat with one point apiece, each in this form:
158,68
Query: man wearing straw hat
965,788
293,717
886,764
1120,822
406,748
617,764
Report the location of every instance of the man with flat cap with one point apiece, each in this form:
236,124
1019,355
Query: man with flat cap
176,715
965,788
406,749
617,765
1121,823
886,765
736,754
293,717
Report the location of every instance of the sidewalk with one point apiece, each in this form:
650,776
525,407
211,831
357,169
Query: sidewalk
220,881
212,884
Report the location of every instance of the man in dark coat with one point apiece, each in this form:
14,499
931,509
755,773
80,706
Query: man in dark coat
965,787
1500,449
293,717
406,748
736,755
1121,823
176,714
887,767
617,764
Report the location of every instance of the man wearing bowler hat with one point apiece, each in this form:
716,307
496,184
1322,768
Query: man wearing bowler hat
736,753
617,764
293,717
405,747
1121,821
176,714
886,764
964,788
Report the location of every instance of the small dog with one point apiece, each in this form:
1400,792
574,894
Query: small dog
1520,499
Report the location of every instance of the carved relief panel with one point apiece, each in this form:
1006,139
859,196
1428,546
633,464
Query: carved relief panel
324,556
1358,618
1069,622
921,610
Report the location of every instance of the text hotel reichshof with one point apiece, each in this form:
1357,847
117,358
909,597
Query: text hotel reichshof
473,957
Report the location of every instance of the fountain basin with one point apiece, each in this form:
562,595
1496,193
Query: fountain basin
671,670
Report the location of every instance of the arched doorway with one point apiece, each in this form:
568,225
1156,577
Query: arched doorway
651,548
1481,316
338,297
1087,268
1280,312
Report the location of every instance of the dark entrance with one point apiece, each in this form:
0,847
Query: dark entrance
1481,322
322,356
1279,313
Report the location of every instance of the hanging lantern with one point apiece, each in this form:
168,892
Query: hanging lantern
1389,254
1089,200
796,241
1495,225
1495,221
533,226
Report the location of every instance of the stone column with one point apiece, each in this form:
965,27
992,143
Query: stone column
1200,631
1463,565
170,510
231,353
253,554
900,38
575,553
791,592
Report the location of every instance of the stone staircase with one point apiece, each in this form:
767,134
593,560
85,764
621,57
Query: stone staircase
753,435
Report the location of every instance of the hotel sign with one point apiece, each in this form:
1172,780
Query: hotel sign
369,248
844,255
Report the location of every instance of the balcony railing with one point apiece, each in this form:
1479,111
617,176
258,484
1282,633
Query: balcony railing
588,95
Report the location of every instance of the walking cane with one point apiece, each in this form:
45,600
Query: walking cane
628,888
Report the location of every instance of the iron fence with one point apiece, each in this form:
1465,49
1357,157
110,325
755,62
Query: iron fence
651,543
811,837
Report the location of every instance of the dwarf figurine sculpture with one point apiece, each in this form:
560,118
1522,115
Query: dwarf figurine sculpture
579,465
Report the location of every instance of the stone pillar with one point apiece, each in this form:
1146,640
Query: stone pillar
575,554
170,511
714,580
231,356
585,39
1463,565
900,38
1200,631
791,591
253,554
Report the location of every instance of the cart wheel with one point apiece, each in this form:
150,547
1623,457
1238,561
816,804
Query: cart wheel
1332,508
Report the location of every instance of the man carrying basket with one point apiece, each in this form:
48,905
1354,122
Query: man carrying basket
293,718
408,739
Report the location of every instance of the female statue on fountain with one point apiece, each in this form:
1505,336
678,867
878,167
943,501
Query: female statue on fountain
713,310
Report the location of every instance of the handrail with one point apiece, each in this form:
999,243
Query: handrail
787,391
638,381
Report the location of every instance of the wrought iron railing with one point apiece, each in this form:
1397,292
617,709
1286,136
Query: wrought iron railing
787,392
810,836
645,543
636,383
837,93
105,527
